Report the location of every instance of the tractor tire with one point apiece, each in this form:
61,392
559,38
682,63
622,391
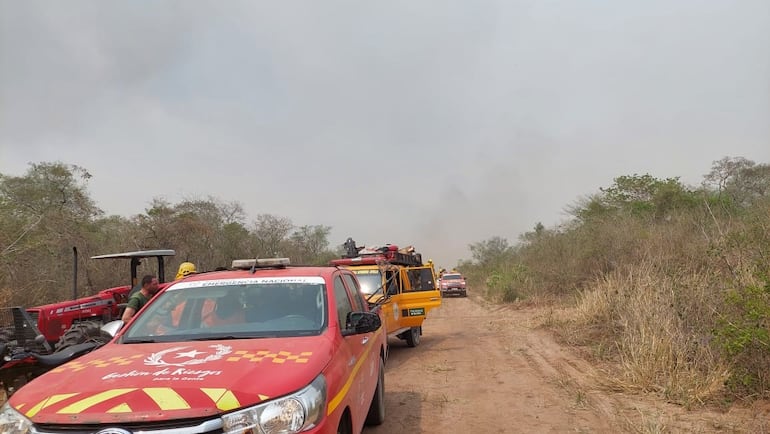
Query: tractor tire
78,333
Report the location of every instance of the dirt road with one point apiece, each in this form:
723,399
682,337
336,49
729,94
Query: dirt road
492,369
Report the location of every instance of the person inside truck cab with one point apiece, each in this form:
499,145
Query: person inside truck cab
185,269
228,310
141,297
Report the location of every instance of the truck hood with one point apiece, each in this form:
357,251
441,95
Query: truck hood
161,381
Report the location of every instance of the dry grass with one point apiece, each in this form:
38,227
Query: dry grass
646,319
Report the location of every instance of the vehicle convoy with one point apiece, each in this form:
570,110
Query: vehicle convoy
453,283
397,282
264,347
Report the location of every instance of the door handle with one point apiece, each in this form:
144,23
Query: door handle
364,340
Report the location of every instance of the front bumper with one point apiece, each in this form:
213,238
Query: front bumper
206,426
210,426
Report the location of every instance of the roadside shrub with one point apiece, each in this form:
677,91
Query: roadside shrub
743,334
509,283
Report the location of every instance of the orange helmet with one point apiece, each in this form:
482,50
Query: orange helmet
185,269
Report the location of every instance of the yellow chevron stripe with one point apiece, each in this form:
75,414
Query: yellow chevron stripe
223,398
120,408
51,400
96,399
166,398
344,391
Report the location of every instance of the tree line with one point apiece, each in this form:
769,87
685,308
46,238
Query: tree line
47,211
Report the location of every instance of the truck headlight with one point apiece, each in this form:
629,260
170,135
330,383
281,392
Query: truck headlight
13,422
290,414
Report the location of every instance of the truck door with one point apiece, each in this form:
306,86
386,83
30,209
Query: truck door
418,296
357,350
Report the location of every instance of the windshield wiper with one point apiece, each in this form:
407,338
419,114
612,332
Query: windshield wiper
139,341
227,338
376,291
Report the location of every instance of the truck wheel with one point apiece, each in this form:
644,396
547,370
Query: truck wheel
376,414
78,333
413,336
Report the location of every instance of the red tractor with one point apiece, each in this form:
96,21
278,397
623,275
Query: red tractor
60,323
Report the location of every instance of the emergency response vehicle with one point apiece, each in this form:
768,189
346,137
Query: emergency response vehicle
264,347
398,283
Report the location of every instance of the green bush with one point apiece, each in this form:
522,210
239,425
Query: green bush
743,333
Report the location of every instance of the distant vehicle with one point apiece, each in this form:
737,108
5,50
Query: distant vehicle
453,283
262,348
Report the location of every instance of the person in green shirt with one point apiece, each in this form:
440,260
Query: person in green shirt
141,297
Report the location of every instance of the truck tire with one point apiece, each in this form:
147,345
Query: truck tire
413,336
376,415
78,333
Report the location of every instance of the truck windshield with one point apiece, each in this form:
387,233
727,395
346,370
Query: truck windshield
214,309
370,280
451,277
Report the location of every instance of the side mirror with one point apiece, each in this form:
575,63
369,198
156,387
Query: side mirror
362,322
113,327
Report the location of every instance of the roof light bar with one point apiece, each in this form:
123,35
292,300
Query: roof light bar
246,264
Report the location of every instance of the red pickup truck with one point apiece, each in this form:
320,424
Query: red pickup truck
453,283
293,349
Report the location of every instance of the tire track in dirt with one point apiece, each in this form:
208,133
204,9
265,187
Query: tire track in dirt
481,370
485,368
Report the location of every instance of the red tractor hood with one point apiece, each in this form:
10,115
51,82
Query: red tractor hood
162,381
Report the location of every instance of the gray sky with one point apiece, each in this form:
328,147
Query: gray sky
432,123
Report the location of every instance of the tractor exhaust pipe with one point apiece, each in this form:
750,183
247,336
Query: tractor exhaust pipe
75,273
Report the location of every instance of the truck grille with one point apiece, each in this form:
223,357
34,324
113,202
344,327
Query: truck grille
195,426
